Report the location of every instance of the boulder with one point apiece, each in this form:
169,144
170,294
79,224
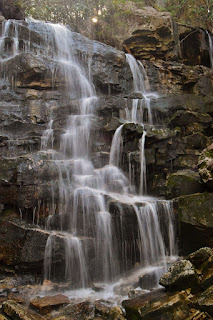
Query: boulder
49,303
148,33
181,275
149,280
183,182
18,312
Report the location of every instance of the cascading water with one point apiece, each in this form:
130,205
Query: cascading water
210,40
103,229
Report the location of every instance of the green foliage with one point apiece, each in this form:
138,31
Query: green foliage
192,10
71,12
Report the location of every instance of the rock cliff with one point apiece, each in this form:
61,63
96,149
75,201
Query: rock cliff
178,150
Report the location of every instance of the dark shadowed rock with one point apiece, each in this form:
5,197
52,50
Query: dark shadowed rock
11,10
205,301
200,256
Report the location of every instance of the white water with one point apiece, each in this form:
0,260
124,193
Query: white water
83,194
210,40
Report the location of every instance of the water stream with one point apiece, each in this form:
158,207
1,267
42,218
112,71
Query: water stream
105,229
210,40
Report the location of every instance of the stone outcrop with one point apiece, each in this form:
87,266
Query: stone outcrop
150,33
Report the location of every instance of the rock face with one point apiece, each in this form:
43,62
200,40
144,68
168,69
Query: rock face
150,34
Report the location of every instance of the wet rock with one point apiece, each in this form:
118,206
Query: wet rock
136,293
200,256
157,305
22,245
181,275
16,311
196,209
105,311
205,301
47,304
206,166
84,310
135,95
183,182
148,281
15,297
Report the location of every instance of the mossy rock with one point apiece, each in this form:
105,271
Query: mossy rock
181,275
160,134
183,182
196,209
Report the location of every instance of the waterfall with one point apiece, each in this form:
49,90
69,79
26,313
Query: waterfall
143,188
135,115
210,48
102,227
